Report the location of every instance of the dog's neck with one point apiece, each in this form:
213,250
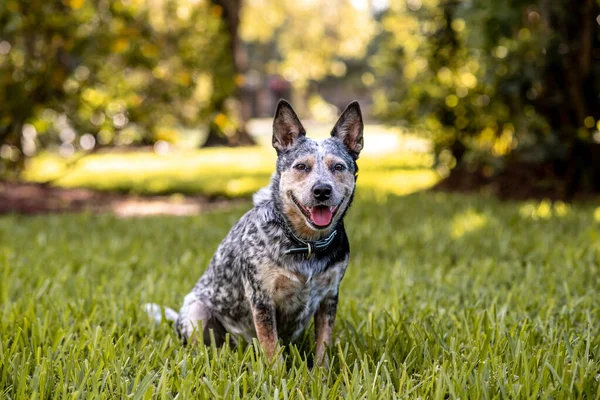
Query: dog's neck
310,247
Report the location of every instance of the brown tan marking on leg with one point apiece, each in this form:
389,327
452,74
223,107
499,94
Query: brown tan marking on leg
266,329
324,322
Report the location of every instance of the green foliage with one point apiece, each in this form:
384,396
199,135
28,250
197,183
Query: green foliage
117,72
291,41
446,296
492,77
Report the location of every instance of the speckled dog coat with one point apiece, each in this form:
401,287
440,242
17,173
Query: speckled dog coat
283,261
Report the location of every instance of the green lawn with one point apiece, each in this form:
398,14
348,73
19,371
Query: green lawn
446,296
233,172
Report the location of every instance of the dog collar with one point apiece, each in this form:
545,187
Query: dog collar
310,247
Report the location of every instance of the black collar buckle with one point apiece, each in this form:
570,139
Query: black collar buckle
310,247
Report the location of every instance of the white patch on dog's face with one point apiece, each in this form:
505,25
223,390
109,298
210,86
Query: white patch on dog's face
310,216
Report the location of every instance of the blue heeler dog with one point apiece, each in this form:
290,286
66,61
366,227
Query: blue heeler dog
284,259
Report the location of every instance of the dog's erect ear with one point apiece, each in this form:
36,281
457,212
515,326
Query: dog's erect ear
286,127
349,129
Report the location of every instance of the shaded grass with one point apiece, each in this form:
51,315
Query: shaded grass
446,296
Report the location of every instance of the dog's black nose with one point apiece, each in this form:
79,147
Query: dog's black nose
322,191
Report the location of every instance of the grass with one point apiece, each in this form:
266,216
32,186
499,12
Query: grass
446,296
231,173
398,159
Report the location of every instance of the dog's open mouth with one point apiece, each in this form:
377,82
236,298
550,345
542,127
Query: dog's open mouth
320,216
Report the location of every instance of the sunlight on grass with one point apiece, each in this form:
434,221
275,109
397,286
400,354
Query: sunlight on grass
397,182
228,172
466,222
544,209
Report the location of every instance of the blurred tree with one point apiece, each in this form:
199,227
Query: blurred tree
307,40
497,82
81,74
228,125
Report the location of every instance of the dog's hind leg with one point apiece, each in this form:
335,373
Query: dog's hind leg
196,322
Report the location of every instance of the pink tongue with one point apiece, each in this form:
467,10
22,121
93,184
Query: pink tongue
321,215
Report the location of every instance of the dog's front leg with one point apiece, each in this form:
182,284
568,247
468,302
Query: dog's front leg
265,323
324,322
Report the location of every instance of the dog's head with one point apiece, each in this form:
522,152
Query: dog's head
314,182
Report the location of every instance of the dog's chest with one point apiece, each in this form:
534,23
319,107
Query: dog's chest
297,293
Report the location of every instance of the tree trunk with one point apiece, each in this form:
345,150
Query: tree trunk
230,16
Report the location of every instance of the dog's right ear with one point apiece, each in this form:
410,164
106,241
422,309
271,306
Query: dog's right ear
286,127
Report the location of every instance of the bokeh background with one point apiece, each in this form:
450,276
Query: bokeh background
475,229
499,97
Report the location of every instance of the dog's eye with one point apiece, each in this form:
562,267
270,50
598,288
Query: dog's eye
301,167
339,167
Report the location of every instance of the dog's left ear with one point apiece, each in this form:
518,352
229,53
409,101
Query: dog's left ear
349,129
286,127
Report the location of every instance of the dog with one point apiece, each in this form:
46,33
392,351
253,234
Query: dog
283,261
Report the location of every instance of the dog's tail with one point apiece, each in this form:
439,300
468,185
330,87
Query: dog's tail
155,312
